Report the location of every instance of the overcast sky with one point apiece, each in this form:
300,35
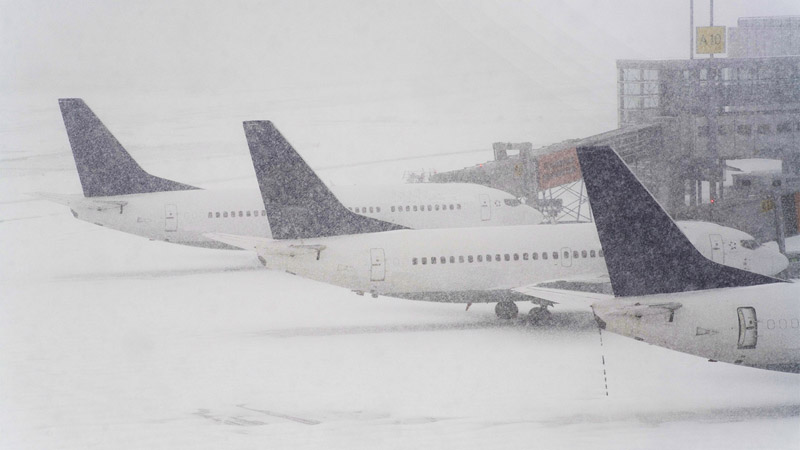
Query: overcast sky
474,71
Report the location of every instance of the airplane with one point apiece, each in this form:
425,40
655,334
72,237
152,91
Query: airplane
119,194
667,294
316,237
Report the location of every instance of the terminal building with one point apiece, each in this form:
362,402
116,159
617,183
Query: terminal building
679,122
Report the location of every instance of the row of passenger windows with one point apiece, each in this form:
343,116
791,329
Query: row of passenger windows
224,214
408,208
506,257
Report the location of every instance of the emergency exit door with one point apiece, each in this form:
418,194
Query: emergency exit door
171,218
486,207
377,270
748,327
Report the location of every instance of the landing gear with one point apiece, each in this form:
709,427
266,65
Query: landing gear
539,314
506,310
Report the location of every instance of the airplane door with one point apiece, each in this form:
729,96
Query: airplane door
171,218
748,327
486,207
566,257
717,252
377,271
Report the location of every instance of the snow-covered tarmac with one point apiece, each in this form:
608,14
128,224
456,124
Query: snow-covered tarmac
110,341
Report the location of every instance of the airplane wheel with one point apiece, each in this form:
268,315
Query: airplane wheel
506,310
538,315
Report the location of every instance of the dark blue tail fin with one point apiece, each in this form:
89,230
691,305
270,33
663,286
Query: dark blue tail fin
298,203
104,166
646,253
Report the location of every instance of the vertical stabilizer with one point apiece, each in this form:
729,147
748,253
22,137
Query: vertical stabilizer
646,253
298,203
104,166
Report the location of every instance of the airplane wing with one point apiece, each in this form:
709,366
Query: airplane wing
76,200
573,291
266,246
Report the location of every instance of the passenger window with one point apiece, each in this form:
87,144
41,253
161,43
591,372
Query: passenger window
525,256
392,208
442,259
225,214
574,254
516,256
424,260
497,257
480,258
415,207
248,213
555,255
544,255
370,209
377,209
437,207
488,258
583,253
358,210
592,254
414,261
430,208
452,207
461,259
458,205
255,213
210,215
241,214
600,253
216,215
507,257
452,260
469,258
534,256
422,207
433,260
408,208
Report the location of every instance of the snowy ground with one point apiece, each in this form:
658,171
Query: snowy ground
110,341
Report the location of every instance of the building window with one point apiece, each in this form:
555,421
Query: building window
702,131
764,128
722,130
745,130
785,127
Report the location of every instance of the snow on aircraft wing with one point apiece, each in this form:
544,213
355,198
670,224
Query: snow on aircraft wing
266,246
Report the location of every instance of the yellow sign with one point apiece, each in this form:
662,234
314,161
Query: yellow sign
710,40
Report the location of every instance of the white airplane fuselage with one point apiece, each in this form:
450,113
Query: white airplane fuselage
184,217
449,265
757,326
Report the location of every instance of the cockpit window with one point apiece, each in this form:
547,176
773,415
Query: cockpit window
512,201
749,244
